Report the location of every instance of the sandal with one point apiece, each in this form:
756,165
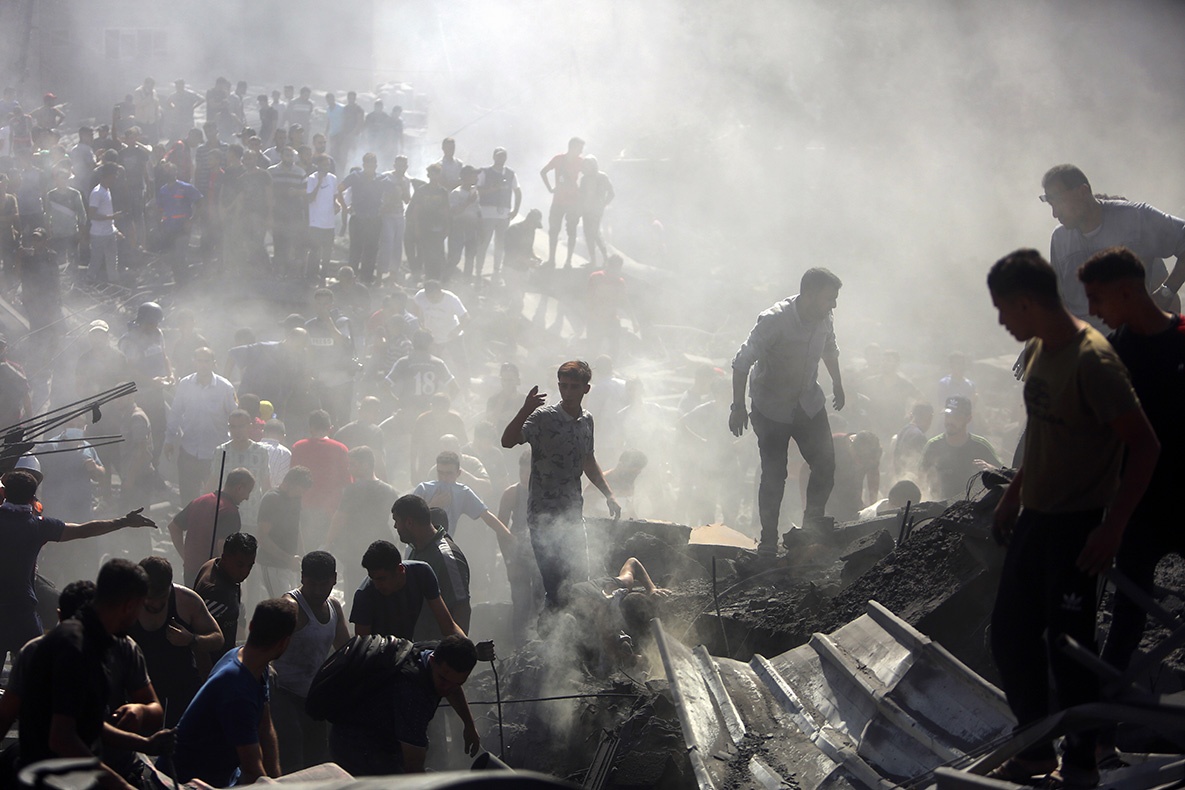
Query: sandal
1021,771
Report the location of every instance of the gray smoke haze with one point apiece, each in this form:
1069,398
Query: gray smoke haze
899,144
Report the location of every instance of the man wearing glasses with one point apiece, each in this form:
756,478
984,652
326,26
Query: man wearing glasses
1091,223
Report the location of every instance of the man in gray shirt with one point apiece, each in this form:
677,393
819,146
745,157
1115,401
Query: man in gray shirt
1091,223
783,353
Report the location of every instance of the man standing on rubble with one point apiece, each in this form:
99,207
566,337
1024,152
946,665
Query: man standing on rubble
561,439
1082,416
783,351
1151,343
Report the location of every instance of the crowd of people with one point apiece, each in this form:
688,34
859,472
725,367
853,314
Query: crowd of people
284,448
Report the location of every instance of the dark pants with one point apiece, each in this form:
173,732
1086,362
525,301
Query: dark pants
1043,595
304,741
320,252
287,242
362,751
1149,538
813,437
462,241
430,255
364,245
560,552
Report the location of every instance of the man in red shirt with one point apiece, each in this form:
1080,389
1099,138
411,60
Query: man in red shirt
192,530
326,459
565,197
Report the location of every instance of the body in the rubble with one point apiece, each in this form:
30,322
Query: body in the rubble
1151,343
1084,421
608,618
902,493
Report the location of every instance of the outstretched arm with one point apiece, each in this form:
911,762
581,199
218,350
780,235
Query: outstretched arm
91,529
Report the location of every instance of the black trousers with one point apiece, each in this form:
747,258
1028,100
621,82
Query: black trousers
364,245
560,552
1042,596
813,437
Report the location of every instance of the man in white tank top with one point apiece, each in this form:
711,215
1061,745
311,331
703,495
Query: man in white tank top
320,629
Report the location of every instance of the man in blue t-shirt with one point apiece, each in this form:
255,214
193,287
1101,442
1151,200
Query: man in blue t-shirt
226,735
177,202
390,599
391,736
23,531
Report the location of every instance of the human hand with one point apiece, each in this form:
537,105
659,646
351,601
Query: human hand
838,400
485,651
178,635
534,399
738,420
1102,544
661,592
129,718
161,742
135,519
1004,519
614,507
472,740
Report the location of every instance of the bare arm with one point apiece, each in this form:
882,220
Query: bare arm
738,417
592,471
832,365
268,742
633,573
456,699
507,503
342,634
444,618
547,168
1143,449
496,524
205,635
177,535
251,764
142,714
91,529
513,435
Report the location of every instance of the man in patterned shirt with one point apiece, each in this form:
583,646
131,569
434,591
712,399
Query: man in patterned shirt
561,439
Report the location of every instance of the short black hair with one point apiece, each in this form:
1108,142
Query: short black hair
439,517
1111,265
299,476
458,652
240,543
319,420
273,621
318,565
238,477
447,457
413,508
1024,273
74,596
160,574
19,487
816,279
637,610
362,455
1069,176
120,581
382,555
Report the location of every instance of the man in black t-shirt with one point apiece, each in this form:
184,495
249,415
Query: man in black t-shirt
280,548
1151,343
390,599
432,544
220,583
65,688
363,516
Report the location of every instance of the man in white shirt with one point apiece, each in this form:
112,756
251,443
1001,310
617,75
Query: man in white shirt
104,265
321,192
444,316
197,422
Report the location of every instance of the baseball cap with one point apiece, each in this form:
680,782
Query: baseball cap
958,404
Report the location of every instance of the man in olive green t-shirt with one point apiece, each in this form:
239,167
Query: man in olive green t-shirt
1064,513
